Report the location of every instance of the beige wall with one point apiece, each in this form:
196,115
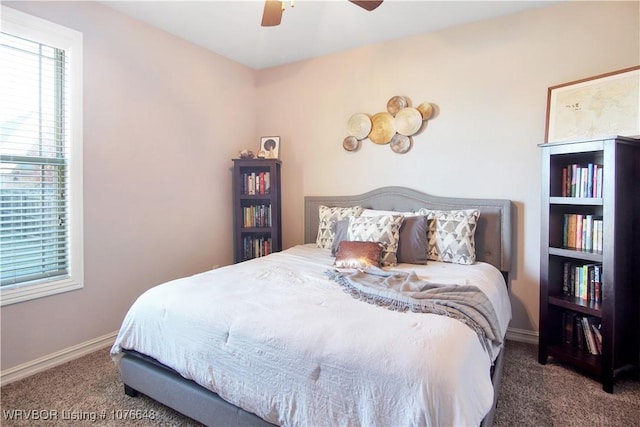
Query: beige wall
489,81
163,118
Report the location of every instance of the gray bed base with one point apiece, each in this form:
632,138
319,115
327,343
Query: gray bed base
142,374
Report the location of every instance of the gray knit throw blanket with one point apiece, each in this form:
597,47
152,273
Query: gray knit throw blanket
401,291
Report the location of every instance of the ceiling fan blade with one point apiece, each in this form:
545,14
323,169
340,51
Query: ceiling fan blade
272,14
367,4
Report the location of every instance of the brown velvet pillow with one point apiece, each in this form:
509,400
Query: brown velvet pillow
358,254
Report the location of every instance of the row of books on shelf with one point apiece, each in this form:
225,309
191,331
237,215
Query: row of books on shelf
582,332
256,183
582,232
257,216
255,247
582,180
582,281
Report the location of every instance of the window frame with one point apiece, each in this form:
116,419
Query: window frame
40,30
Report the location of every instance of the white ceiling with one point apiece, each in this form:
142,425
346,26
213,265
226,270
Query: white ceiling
311,28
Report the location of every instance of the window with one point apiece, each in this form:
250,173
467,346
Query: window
40,158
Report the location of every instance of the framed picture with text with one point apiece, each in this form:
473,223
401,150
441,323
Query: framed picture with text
269,147
596,107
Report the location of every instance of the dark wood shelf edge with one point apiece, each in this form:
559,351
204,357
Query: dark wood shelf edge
266,196
581,359
581,201
576,304
594,256
256,230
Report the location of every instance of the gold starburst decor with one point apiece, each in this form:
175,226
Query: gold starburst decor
395,127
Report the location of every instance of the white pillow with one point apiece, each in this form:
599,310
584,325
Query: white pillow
377,212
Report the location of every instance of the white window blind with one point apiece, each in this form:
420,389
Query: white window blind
40,201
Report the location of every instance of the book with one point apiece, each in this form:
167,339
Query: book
579,333
588,335
590,283
566,268
568,320
252,183
597,284
584,181
599,235
578,244
584,274
571,231
598,336
588,233
267,183
599,181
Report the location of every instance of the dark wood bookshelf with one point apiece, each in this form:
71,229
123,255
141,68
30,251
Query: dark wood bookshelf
264,235
619,208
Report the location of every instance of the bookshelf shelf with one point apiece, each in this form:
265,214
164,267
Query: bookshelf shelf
255,197
586,201
589,280
594,256
589,308
250,230
257,213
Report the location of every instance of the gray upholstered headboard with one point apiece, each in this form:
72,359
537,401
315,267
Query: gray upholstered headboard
493,234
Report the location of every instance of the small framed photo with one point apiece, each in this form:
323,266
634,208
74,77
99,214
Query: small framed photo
269,147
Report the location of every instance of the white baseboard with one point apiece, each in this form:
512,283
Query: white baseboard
522,335
40,364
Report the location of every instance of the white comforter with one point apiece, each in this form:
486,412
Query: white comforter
277,338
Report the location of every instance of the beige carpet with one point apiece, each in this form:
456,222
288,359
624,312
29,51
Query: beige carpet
532,395
555,395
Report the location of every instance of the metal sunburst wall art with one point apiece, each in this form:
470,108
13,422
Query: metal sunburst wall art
395,127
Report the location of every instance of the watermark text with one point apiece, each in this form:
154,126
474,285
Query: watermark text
77,415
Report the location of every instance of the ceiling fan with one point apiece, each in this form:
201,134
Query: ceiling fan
272,14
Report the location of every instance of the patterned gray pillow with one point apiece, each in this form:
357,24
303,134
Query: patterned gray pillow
451,235
328,217
384,229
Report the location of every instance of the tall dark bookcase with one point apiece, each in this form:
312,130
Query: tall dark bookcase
257,213
613,196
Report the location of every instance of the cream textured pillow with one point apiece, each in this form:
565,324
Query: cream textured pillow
328,217
384,229
451,235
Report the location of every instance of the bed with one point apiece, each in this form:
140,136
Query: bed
284,344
